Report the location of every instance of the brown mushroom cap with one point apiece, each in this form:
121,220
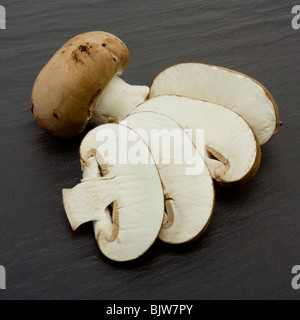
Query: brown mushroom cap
65,91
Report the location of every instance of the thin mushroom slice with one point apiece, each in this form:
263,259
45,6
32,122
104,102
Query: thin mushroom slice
133,192
188,186
232,89
232,152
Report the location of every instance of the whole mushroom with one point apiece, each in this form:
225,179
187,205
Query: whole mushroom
81,83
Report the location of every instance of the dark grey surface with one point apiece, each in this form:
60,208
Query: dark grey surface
253,240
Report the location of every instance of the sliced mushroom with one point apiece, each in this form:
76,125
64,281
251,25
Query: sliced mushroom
81,83
131,192
188,186
234,90
232,152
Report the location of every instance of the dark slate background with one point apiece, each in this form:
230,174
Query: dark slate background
253,240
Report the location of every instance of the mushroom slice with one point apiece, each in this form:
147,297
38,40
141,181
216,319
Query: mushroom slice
188,186
81,83
234,90
232,152
131,192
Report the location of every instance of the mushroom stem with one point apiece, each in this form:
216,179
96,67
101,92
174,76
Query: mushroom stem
117,101
79,202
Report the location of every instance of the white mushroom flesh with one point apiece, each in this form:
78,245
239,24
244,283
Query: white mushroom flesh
132,191
189,194
231,149
116,101
231,89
